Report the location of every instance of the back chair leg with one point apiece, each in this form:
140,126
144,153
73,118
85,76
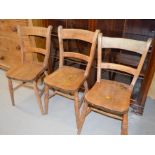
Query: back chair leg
46,98
11,91
124,127
36,90
86,87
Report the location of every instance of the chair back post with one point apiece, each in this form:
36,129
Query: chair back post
48,45
92,53
61,48
144,54
99,55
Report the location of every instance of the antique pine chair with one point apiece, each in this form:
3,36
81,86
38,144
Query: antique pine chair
112,98
31,71
67,80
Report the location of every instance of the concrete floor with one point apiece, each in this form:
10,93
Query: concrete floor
25,117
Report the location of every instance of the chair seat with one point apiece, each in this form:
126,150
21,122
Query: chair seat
66,78
25,72
110,96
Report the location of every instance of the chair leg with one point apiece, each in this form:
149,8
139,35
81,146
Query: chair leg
36,90
85,86
77,111
124,127
11,91
82,117
46,98
85,111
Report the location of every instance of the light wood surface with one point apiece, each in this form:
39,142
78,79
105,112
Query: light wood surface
119,67
27,45
79,34
67,79
25,72
10,54
124,44
76,55
30,71
112,98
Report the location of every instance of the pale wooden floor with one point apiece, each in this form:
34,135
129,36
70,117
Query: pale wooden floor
25,117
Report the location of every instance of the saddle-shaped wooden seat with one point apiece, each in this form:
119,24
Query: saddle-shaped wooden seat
110,96
25,72
71,79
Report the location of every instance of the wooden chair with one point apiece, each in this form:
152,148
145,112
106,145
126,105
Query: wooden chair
30,71
108,97
67,80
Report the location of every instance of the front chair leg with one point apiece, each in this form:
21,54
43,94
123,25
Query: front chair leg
77,111
36,90
46,98
124,127
11,91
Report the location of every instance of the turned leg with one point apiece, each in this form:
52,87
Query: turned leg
36,90
11,91
124,127
46,98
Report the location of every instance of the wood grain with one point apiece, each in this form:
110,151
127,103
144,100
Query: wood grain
30,72
112,97
10,54
67,79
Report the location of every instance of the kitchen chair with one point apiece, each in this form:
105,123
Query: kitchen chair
67,80
30,71
112,98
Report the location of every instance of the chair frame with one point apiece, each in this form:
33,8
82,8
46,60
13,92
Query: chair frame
140,47
29,33
87,36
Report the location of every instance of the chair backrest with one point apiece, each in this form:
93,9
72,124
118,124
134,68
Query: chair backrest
136,46
79,34
27,42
